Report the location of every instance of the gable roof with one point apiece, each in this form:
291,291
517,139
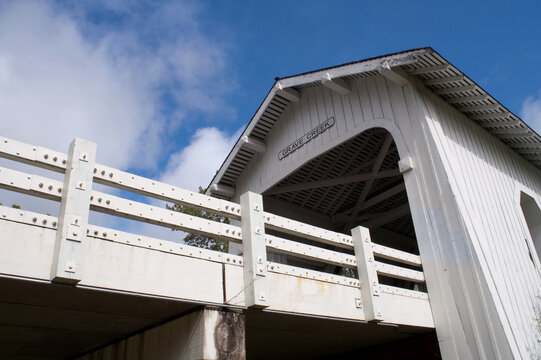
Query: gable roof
440,76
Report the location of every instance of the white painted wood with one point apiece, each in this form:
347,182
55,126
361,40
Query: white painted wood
26,250
412,309
253,144
283,246
310,232
234,285
289,94
338,85
368,277
67,264
222,190
307,296
482,172
355,68
396,255
458,294
133,269
254,251
395,75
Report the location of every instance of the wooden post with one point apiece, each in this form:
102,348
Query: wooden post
67,265
367,274
254,249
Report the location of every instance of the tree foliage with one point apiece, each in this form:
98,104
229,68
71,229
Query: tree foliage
15,206
200,240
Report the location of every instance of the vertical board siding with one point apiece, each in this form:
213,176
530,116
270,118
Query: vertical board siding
484,174
477,267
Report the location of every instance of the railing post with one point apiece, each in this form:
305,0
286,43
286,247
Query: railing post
368,276
67,266
254,249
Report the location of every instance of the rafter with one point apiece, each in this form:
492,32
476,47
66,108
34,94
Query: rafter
385,218
343,216
355,170
375,170
336,181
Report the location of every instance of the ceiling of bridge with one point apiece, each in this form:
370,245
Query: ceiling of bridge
325,185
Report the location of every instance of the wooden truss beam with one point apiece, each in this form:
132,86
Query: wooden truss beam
396,75
336,181
381,219
373,200
253,144
375,170
288,93
338,85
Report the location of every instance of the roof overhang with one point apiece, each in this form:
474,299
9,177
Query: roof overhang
440,76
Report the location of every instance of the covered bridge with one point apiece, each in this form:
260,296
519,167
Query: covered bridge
413,149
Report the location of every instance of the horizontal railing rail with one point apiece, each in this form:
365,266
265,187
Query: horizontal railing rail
322,250
105,175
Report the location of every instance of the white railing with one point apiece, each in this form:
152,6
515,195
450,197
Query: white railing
318,246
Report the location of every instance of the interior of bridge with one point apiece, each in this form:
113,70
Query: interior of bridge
356,183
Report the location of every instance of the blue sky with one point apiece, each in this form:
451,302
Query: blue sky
165,87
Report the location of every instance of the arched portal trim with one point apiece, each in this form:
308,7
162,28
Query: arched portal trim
383,123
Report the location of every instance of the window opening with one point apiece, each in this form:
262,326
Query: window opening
532,215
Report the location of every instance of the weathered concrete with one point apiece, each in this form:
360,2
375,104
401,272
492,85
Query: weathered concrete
208,334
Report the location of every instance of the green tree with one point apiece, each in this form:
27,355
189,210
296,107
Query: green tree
202,241
15,206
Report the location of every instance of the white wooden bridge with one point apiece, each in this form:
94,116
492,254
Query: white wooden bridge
38,252
404,144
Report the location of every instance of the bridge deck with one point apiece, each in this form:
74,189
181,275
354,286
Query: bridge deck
33,246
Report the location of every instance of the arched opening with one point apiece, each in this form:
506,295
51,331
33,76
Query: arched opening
532,216
356,183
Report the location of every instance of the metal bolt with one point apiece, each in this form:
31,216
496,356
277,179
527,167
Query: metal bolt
64,162
103,172
55,158
40,185
50,187
45,156
108,202
44,221
35,219
59,190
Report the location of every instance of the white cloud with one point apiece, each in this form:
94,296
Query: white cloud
125,84
62,76
531,112
55,85
196,164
